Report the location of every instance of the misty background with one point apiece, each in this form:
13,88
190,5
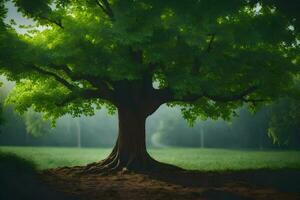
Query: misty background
164,128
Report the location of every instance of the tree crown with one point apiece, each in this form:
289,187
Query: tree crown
207,56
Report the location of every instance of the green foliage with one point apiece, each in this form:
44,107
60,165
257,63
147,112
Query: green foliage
188,158
2,13
214,50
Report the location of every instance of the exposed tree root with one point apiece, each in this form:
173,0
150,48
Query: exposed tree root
138,161
114,163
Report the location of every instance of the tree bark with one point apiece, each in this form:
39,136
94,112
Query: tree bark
131,146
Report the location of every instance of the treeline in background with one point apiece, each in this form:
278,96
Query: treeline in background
274,126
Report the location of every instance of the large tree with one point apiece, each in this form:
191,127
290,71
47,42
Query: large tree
207,56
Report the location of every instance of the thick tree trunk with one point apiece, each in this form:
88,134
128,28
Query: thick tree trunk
129,152
130,148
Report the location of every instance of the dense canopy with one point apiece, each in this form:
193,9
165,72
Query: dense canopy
208,56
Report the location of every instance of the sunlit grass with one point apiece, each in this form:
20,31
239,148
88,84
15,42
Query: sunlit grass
189,158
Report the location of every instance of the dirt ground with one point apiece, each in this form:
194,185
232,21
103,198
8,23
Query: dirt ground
185,185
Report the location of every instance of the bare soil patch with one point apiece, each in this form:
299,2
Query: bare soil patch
180,185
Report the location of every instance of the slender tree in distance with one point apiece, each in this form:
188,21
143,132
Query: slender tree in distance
284,126
209,57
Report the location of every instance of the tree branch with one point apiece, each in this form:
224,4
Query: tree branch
96,82
108,8
63,67
209,48
57,78
101,91
86,94
233,97
104,5
58,23
166,95
101,84
254,101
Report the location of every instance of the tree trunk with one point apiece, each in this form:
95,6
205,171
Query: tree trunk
78,129
131,146
129,152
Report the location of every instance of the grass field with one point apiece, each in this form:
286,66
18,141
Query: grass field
188,158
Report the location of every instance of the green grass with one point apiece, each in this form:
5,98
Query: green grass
189,158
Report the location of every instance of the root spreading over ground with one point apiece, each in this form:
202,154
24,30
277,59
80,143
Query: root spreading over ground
114,164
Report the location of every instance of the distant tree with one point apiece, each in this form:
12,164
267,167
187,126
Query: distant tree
1,113
284,126
35,124
99,130
250,130
209,57
1,106
173,131
12,130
